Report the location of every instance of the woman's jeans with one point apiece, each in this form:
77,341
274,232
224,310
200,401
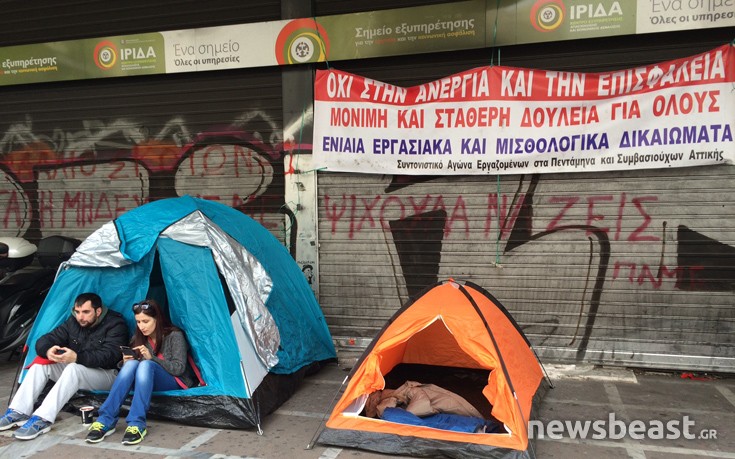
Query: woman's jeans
144,377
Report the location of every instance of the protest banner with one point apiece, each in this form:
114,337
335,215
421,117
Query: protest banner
504,120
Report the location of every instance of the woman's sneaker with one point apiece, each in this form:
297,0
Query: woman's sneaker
98,432
12,418
34,427
133,435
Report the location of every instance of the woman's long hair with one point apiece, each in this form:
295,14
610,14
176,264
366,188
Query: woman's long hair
151,308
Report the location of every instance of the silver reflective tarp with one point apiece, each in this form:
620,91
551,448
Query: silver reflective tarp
248,283
101,249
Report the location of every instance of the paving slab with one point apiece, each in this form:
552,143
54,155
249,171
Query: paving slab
581,393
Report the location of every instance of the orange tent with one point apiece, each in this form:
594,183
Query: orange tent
455,335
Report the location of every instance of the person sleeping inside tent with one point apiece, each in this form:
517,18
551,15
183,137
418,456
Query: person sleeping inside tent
428,405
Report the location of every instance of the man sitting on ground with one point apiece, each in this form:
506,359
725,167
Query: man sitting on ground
82,353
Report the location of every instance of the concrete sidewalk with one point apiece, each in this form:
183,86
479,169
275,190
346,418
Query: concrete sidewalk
581,394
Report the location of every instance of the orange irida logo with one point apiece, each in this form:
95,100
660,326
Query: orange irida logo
105,55
547,15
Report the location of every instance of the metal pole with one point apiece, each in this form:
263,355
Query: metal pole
250,397
14,387
331,407
543,368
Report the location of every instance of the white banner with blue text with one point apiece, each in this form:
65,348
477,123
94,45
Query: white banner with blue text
506,120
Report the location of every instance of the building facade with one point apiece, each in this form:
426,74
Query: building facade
629,268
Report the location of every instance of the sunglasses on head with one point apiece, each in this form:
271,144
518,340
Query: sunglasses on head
139,307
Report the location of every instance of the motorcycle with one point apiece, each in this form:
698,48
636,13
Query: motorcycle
27,272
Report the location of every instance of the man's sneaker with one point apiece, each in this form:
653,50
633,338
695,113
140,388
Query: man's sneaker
12,418
133,435
34,427
98,432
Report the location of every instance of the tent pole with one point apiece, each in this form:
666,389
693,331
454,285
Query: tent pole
501,360
525,423
548,379
331,407
250,397
15,385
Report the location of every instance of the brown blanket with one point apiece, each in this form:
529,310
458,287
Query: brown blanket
419,399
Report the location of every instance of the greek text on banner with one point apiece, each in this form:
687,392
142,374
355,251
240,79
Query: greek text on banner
507,120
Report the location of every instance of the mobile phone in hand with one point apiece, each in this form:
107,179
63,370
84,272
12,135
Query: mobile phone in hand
59,351
127,351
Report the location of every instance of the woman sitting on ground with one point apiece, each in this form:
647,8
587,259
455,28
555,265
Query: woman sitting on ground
159,364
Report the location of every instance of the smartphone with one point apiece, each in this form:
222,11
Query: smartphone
127,351
59,351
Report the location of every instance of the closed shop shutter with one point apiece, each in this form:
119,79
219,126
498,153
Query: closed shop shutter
77,154
629,268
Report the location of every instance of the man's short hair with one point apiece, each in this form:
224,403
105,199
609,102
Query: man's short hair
92,297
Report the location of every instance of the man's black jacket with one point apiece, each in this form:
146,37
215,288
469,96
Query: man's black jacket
97,346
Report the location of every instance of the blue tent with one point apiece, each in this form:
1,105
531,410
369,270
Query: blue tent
253,324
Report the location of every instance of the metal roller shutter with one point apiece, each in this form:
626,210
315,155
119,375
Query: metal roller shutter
77,154
630,269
